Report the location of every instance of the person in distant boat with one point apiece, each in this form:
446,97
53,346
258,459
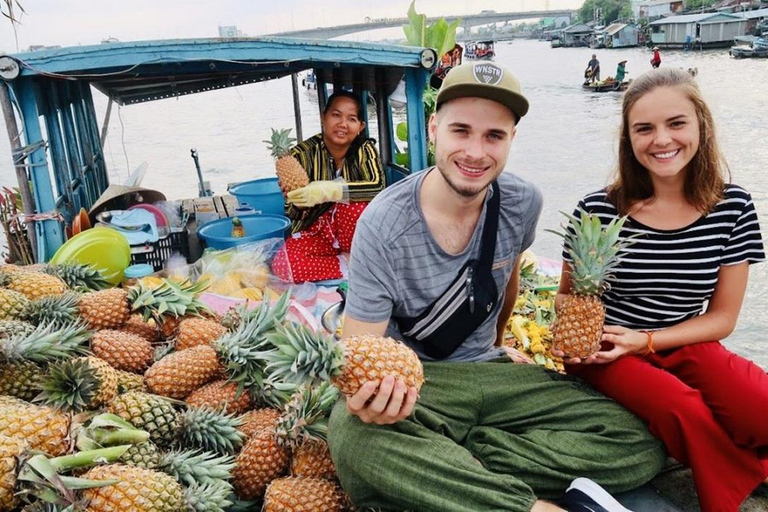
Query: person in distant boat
436,263
621,71
345,173
593,70
678,290
656,59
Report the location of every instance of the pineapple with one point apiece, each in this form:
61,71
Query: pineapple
78,276
146,329
127,381
301,355
21,380
144,455
180,373
238,231
122,350
105,309
258,420
197,331
312,458
43,428
33,284
151,413
220,395
79,384
137,490
13,305
594,253
261,460
9,328
11,450
290,174
302,494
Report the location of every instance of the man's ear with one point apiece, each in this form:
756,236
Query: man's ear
432,127
513,133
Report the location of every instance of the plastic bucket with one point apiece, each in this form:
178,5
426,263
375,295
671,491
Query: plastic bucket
263,195
217,233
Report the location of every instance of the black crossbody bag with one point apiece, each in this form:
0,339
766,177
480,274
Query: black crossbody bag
444,325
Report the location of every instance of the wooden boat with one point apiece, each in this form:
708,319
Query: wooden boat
60,138
605,86
749,47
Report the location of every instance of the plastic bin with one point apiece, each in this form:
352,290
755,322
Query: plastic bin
217,234
263,195
156,253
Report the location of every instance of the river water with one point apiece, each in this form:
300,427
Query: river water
566,144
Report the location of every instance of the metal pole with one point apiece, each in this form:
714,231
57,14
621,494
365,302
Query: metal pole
105,125
27,203
296,107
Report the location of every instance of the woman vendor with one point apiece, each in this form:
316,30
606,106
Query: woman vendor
345,174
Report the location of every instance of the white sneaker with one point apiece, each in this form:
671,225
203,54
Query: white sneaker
584,495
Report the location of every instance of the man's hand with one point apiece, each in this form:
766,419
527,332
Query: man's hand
317,192
382,403
517,356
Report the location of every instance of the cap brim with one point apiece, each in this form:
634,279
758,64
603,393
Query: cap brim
513,101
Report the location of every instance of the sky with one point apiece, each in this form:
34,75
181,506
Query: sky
81,22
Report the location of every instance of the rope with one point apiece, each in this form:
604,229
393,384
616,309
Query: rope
32,217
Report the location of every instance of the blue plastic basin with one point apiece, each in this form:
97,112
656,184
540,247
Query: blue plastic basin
217,233
263,195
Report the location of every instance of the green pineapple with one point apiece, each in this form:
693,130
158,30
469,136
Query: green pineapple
145,455
594,253
148,412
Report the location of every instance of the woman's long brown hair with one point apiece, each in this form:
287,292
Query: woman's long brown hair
705,177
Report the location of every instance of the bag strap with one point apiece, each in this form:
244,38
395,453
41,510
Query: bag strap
491,226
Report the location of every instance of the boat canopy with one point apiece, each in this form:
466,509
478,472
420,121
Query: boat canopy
49,92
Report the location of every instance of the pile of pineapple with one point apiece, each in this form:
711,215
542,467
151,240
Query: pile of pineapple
528,329
142,399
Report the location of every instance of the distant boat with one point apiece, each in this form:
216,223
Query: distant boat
480,50
750,47
605,86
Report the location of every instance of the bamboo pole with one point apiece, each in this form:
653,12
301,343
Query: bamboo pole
27,202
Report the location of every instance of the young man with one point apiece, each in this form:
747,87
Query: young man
435,262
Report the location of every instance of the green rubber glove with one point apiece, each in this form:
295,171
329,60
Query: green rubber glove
317,192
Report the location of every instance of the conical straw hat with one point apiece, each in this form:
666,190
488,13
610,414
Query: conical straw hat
120,197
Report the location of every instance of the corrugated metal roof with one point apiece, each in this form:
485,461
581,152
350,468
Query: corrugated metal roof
614,28
695,18
751,15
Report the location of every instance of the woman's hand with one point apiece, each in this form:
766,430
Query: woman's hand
382,403
624,341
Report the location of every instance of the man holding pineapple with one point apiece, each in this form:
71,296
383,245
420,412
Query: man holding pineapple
435,263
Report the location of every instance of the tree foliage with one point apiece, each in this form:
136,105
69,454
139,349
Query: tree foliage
609,10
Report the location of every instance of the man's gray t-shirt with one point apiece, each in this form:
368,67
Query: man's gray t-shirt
398,269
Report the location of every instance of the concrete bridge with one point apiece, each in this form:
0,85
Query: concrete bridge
468,21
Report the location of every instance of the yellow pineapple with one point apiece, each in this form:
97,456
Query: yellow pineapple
43,428
349,363
195,331
302,494
238,231
180,373
128,381
137,490
290,174
312,458
123,350
593,250
147,329
220,395
11,449
13,305
34,284
257,420
105,309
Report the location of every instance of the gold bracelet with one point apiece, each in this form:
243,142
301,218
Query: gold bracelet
650,350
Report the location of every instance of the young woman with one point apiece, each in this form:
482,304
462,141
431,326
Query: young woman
679,289
345,174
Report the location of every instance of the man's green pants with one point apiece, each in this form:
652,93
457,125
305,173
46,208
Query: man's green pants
491,436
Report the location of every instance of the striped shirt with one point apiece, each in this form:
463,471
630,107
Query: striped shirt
666,276
362,170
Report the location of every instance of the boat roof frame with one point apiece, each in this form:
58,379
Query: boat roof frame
51,98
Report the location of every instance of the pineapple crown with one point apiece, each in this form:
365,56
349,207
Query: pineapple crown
210,497
78,276
168,299
593,250
236,222
197,467
306,414
72,385
240,352
302,356
280,142
53,309
209,430
46,343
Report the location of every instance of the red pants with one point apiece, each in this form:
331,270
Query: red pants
313,254
709,407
